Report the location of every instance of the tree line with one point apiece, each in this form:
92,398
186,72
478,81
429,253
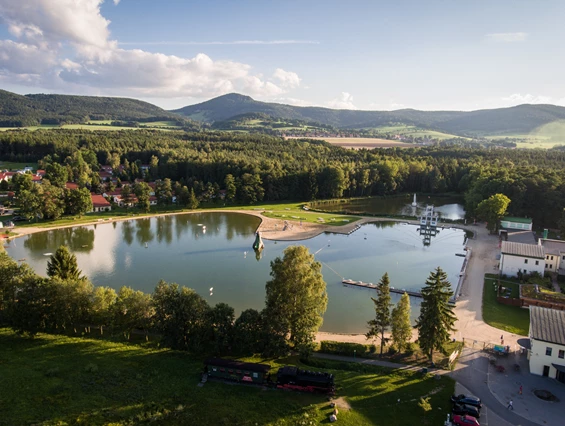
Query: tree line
67,302
266,168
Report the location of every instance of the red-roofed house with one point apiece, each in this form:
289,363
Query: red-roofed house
100,204
71,185
40,173
36,178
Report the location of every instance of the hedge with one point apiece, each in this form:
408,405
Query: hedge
348,349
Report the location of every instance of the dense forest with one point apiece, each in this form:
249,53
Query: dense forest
32,110
267,168
518,119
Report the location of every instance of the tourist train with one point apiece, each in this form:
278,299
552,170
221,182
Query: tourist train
287,377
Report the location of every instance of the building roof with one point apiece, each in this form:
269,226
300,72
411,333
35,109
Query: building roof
99,201
547,325
517,219
71,185
553,246
521,249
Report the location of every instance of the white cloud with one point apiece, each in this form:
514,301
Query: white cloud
217,43
46,29
116,2
293,101
507,37
287,79
517,98
22,58
344,101
391,106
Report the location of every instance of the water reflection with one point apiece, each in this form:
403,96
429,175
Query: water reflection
79,239
140,252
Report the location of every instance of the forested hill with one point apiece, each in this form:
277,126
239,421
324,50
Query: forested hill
31,110
519,119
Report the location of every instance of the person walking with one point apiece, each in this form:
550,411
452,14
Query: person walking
520,390
510,406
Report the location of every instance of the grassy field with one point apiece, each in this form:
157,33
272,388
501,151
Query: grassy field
545,137
291,212
9,165
414,131
369,143
509,318
100,125
60,380
295,212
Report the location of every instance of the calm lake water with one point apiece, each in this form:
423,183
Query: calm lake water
138,253
447,207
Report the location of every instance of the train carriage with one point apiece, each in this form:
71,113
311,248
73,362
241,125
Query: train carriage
237,371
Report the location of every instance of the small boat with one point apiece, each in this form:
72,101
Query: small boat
47,254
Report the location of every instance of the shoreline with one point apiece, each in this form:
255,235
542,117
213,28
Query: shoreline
270,229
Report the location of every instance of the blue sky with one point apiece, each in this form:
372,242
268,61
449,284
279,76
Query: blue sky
433,54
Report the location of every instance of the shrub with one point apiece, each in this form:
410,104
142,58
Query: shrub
344,348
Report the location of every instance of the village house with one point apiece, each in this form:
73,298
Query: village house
100,204
554,255
522,258
547,343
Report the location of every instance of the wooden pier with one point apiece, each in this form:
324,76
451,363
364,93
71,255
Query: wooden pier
371,285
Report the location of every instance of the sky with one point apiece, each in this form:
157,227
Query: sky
369,55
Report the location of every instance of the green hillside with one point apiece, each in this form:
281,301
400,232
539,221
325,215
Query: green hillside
520,119
33,110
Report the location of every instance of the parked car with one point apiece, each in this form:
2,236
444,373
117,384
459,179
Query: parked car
18,219
9,224
463,409
465,421
467,400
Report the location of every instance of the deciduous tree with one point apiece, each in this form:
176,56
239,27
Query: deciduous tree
296,299
492,210
400,322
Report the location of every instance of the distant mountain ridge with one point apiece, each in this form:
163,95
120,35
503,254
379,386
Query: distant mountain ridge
517,119
31,110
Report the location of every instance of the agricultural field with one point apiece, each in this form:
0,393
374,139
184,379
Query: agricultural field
544,137
54,379
367,143
403,129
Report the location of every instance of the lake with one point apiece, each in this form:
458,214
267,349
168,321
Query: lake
448,207
203,250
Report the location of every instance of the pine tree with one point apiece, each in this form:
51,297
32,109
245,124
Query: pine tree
63,264
192,200
378,326
401,326
436,319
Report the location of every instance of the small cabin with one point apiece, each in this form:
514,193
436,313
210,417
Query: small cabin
520,223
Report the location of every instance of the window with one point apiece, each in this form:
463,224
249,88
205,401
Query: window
537,262
551,257
525,260
561,354
548,351
550,266
563,257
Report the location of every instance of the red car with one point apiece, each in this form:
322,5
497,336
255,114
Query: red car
465,421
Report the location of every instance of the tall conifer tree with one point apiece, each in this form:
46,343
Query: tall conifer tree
378,326
436,319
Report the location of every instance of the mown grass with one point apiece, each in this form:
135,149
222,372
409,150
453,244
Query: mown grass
291,212
294,211
11,165
68,380
504,317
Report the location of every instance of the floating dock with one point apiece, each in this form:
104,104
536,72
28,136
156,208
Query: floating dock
371,285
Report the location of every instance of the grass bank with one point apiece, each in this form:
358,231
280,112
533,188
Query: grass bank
67,380
504,317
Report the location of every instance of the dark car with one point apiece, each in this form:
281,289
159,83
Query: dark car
18,219
467,400
463,409
465,421
9,224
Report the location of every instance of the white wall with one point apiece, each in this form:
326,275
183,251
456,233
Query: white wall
515,225
538,358
510,265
